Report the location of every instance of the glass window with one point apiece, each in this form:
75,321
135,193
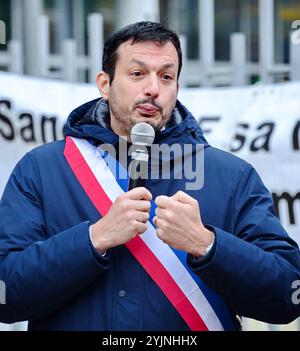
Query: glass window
107,8
5,17
236,16
182,16
68,19
230,16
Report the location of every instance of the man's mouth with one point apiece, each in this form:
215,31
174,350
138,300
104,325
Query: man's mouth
147,109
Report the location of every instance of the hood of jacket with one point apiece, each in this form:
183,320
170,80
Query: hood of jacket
92,121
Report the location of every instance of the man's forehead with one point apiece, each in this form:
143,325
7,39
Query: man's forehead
130,46
141,51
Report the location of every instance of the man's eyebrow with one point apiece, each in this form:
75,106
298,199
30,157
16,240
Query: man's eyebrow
143,64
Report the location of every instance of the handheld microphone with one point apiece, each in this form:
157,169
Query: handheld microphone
142,136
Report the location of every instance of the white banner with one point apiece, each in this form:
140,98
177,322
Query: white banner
260,124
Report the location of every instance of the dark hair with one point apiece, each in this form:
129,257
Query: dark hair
138,32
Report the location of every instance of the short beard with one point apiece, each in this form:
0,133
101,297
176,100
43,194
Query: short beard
123,116
126,124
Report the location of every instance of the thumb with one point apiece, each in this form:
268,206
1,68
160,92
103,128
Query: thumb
183,198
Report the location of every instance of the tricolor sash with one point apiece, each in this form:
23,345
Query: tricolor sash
199,306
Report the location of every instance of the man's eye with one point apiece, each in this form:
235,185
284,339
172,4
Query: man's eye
136,74
167,77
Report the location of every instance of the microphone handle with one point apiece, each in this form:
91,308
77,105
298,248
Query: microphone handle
135,180
136,183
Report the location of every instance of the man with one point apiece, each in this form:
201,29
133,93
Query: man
78,253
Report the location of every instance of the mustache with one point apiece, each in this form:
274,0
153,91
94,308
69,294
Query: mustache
150,101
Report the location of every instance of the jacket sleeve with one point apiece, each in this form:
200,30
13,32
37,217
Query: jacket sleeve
254,267
40,273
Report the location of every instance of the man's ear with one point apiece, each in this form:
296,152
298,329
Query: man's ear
102,81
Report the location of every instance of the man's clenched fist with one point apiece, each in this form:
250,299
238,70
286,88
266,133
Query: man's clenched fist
178,223
127,218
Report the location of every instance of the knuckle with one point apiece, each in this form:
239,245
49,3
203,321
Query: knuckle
130,216
123,204
122,197
147,194
195,201
146,206
173,206
132,223
170,215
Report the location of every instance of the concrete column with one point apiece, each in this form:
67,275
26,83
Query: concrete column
95,44
266,39
183,75
17,19
16,56
78,24
2,33
207,39
69,60
43,46
131,11
32,13
238,59
62,23
295,56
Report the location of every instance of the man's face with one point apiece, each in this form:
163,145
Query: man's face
145,86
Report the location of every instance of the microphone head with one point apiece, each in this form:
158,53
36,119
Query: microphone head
142,134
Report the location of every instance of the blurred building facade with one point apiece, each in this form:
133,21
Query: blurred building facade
206,26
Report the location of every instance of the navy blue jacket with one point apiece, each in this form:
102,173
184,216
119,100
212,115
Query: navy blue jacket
57,281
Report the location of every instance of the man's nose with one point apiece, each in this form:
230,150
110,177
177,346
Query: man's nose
152,87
